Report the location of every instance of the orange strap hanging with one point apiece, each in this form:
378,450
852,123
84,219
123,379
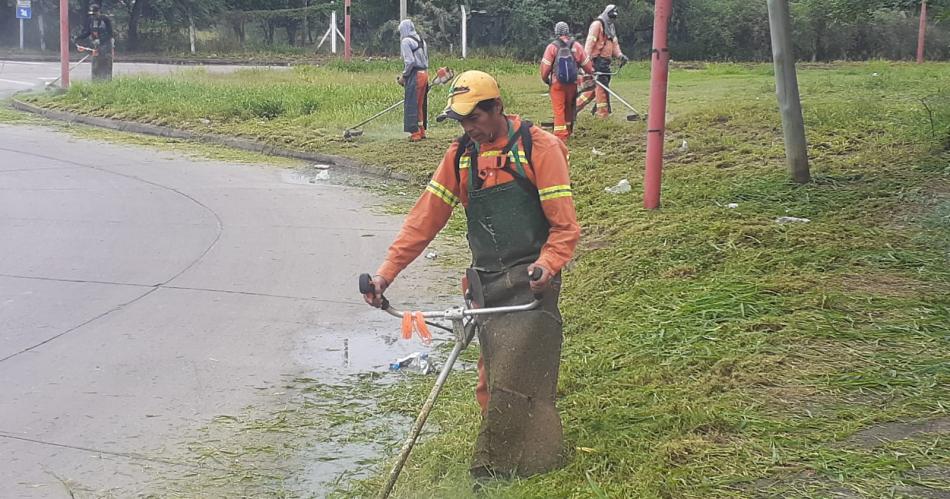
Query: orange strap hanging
423,330
407,325
414,321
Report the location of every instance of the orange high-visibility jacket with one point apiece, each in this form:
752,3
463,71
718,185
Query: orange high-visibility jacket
548,172
597,45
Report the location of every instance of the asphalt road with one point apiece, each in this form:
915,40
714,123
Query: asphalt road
22,75
143,292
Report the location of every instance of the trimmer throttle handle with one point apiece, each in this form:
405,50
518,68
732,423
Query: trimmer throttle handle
535,275
366,284
367,287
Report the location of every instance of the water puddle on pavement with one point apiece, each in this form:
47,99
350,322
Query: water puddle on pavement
353,369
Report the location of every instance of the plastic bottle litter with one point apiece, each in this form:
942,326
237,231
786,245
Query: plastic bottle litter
684,147
732,206
792,220
622,187
432,255
416,361
321,166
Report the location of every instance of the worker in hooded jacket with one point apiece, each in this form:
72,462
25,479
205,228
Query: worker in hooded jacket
559,65
602,45
415,80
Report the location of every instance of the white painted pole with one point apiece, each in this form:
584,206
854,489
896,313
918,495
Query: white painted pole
464,32
21,34
403,9
333,31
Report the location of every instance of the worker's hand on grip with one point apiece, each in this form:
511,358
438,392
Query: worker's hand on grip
401,80
376,298
539,285
624,60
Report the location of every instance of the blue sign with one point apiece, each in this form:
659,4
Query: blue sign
24,13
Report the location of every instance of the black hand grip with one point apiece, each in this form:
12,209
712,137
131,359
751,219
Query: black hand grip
536,275
366,284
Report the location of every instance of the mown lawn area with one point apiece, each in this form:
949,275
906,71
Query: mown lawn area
709,350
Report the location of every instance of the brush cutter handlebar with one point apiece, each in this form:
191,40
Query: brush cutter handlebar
80,48
454,313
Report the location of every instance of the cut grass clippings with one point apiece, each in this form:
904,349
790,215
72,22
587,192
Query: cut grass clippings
709,351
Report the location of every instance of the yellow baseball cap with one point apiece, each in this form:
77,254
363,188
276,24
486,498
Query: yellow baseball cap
468,89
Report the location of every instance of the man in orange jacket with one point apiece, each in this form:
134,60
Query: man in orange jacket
559,66
601,45
512,179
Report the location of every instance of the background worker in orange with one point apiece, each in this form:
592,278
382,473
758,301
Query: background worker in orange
512,179
601,45
415,79
559,66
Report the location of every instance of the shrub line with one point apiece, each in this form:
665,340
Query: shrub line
210,138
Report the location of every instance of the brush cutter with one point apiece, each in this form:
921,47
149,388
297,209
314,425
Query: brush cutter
91,53
463,328
635,116
443,75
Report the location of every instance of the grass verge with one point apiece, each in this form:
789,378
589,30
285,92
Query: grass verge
726,354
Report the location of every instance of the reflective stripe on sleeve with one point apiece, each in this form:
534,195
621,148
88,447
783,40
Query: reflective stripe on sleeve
439,191
554,192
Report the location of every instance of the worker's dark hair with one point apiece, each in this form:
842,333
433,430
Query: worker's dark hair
488,105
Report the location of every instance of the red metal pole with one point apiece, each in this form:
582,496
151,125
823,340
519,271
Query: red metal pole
656,119
922,33
64,43
347,52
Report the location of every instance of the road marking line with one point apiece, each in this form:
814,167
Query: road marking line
17,82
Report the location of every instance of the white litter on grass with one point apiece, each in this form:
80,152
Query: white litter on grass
684,147
792,220
320,166
322,175
732,206
432,255
622,187
595,152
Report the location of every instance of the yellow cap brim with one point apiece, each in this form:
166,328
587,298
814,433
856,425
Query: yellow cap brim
457,111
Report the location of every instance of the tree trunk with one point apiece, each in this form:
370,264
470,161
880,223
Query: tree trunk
135,14
191,31
307,32
42,26
268,26
291,33
239,31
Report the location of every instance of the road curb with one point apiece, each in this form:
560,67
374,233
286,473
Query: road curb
210,138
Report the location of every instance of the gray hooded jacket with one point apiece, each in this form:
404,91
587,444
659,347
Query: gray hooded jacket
610,30
415,54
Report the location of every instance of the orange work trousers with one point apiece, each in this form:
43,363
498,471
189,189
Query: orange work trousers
563,102
481,388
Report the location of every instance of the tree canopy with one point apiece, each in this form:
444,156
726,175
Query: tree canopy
700,29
